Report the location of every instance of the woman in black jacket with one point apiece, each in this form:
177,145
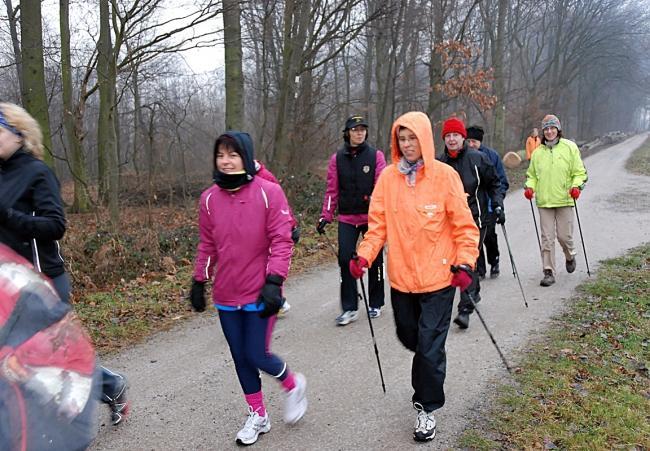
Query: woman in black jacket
31,212
32,219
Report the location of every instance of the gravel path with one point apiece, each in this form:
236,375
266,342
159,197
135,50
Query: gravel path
185,394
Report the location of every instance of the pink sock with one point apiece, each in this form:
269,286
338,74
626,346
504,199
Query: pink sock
289,383
256,401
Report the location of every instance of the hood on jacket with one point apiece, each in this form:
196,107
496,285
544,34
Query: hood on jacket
244,148
418,123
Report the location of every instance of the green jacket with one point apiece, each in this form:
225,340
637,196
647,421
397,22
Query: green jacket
553,172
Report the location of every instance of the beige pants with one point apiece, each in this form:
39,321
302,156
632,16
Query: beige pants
558,220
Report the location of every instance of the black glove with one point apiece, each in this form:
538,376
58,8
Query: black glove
500,214
322,222
295,234
197,295
271,296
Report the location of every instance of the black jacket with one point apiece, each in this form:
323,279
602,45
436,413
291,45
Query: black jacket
480,181
31,212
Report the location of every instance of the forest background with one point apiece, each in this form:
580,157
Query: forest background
129,125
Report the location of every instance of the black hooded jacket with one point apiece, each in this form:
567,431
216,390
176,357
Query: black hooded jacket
480,181
244,147
32,217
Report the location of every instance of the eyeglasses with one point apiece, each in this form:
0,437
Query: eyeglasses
358,129
410,139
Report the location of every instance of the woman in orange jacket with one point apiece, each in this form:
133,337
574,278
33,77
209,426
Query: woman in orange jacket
419,209
532,143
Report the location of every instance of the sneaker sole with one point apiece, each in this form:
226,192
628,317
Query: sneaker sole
346,322
424,439
264,430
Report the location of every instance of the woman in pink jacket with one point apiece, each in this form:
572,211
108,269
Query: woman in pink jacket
245,247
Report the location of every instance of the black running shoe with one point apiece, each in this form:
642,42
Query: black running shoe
462,320
117,401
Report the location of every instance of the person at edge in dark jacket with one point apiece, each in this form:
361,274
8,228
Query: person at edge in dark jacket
32,220
351,176
245,248
263,172
419,210
475,142
481,183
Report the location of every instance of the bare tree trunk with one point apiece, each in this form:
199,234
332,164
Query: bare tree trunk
15,43
296,16
106,135
77,157
34,94
498,63
434,106
233,60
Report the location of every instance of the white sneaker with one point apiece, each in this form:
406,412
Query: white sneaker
295,405
374,312
425,425
284,309
347,317
254,426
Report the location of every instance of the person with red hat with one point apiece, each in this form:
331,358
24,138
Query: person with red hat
482,185
556,177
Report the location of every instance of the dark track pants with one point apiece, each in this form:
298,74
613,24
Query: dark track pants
422,322
491,243
348,237
465,305
248,337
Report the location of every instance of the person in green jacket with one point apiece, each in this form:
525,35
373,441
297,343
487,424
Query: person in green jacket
556,177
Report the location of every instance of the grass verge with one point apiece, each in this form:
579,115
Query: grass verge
586,385
639,162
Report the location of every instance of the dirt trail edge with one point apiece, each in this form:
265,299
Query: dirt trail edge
184,390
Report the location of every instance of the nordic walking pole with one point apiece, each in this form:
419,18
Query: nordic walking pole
331,246
532,210
455,269
372,332
575,204
512,262
494,342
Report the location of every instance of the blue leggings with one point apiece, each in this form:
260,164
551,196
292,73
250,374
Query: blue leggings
248,337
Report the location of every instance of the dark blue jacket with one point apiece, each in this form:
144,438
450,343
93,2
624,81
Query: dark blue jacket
32,217
498,166
480,181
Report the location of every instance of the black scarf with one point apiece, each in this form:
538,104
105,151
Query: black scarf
230,181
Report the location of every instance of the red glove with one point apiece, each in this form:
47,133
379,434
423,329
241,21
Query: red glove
356,267
529,193
574,192
462,277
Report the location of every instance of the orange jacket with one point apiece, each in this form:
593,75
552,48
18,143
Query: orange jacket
532,143
427,227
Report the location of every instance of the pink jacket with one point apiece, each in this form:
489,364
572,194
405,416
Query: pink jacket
247,235
332,192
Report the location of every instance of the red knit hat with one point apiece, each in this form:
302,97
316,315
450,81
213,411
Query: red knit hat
454,125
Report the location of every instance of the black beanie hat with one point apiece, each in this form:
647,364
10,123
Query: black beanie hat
475,132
